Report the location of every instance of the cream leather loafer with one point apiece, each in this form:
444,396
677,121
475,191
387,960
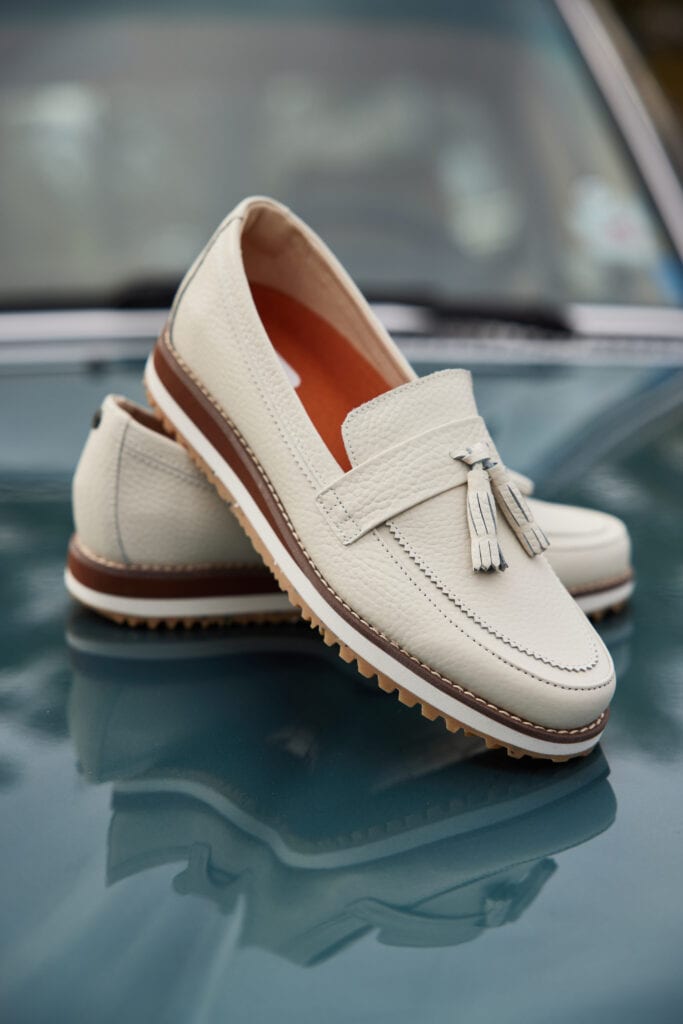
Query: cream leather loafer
195,560
377,499
153,541
591,553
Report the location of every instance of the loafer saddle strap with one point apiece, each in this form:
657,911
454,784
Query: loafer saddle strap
400,477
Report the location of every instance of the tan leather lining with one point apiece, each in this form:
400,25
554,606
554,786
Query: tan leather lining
335,376
145,417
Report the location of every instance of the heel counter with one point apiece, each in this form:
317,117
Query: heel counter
94,487
169,515
161,501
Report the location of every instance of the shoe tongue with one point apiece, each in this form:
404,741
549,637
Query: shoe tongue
407,411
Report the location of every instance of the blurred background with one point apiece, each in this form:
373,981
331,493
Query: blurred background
452,153
655,29
504,180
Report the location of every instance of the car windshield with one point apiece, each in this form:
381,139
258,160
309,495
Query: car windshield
455,151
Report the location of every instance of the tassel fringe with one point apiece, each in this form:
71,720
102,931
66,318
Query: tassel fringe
488,484
514,507
481,510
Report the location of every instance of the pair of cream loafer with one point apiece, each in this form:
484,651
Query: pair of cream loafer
377,499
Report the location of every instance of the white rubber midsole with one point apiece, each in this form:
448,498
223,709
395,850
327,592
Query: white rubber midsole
177,607
603,600
379,658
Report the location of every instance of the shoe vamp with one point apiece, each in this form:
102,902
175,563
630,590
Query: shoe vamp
525,610
587,547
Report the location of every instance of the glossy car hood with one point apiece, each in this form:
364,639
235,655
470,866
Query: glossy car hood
219,825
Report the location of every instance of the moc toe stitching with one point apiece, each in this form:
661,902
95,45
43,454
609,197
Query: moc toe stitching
434,578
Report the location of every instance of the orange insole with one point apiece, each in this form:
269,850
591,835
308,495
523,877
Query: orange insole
335,377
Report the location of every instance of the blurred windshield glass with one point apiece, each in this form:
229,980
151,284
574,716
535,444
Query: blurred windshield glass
451,151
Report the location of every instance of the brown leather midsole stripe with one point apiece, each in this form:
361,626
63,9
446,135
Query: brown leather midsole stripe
219,432
161,583
590,590
223,437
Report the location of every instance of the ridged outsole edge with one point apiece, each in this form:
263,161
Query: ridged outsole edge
346,653
192,622
612,609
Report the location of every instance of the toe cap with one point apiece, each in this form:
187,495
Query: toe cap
588,548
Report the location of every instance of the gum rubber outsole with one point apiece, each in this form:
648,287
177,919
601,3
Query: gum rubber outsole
603,613
203,621
329,638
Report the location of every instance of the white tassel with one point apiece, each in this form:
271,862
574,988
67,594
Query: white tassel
481,511
517,512
484,475
481,514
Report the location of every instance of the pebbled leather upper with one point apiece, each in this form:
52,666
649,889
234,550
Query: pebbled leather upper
138,499
395,479
516,639
433,533
588,547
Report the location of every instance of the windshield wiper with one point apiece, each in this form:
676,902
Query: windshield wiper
423,313
439,314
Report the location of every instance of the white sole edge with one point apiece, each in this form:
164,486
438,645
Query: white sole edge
377,657
176,607
605,600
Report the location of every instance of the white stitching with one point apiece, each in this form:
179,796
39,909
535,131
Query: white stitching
385,397
150,567
471,614
232,313
299,458
546,682
117,492
342,530
361,527
196,480
456,686
339,523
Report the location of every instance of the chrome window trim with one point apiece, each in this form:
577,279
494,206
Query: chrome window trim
93,327
626,321
609,336
516,351
103,334
629,112
80,324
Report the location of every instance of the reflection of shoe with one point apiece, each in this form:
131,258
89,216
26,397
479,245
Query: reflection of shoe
152,540
372,494
232,765
589,550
